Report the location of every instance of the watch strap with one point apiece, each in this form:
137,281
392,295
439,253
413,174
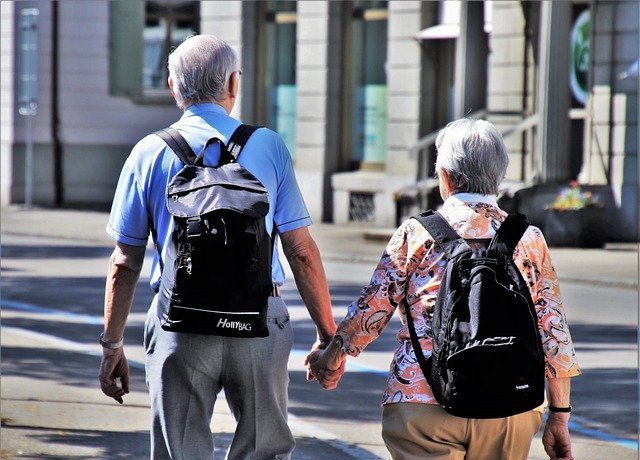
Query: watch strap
559,409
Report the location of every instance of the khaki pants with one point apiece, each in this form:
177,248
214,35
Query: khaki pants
413,431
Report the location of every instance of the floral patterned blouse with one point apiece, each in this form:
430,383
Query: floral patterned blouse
411,268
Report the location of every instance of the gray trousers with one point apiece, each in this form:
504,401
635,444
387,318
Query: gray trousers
186,372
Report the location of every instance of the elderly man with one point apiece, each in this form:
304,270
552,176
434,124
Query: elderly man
472,161
185,372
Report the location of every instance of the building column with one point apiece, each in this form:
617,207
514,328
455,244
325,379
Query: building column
611,147
471,61
224,19
553,93
404,67
315,97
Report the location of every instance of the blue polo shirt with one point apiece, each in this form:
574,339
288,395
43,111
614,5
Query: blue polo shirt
139,206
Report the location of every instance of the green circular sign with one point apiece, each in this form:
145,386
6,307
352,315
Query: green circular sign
579,69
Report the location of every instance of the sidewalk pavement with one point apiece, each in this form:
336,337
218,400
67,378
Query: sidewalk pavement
614,265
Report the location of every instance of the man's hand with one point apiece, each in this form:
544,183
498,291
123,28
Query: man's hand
125,265
317,346
311,361
114,366
555,438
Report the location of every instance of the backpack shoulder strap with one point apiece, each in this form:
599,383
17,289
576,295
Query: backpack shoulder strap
443,233
178,144
236,143
509,234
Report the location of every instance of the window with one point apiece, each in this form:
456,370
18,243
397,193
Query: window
368,82
280,77
141,36
166,26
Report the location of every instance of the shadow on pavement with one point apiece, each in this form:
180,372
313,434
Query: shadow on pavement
78,332
307,448
83,296
115,445
357,397
11,251
63,366
112,444
605,398
605,334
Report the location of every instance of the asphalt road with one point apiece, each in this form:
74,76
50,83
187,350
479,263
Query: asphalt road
51,297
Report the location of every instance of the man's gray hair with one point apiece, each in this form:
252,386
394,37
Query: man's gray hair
200,69
473,154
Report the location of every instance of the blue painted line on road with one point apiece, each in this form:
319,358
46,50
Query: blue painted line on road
14,305
68,344
575,426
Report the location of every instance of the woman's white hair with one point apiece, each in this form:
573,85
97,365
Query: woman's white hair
473,154
200,68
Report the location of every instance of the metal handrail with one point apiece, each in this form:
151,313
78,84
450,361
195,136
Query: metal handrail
430,139
530,122
421,148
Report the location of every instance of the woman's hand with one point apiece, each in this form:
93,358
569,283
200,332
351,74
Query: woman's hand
555,438
327,366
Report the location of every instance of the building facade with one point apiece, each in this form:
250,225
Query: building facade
356,88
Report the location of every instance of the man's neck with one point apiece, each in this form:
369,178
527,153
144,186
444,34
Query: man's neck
227,104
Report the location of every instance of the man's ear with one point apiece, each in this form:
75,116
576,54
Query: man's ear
234,84
170,83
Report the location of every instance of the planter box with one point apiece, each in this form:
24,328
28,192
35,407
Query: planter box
585,228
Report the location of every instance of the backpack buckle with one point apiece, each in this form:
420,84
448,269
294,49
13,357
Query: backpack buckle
194,228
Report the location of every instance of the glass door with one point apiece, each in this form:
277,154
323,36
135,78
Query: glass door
280,76
368,85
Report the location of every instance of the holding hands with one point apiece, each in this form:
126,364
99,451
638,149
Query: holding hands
326,365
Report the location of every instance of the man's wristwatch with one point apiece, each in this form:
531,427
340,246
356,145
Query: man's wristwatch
111,345
559,409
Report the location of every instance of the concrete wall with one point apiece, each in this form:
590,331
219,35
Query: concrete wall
90,115
403,82
97,130
506,75
224,19
312,72
612,138
94,123
404,61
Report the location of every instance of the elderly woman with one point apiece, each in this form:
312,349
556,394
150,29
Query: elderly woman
472,161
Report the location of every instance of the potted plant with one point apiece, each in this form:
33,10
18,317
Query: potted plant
575,218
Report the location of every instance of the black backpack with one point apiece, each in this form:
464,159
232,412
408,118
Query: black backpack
217,277
487,359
